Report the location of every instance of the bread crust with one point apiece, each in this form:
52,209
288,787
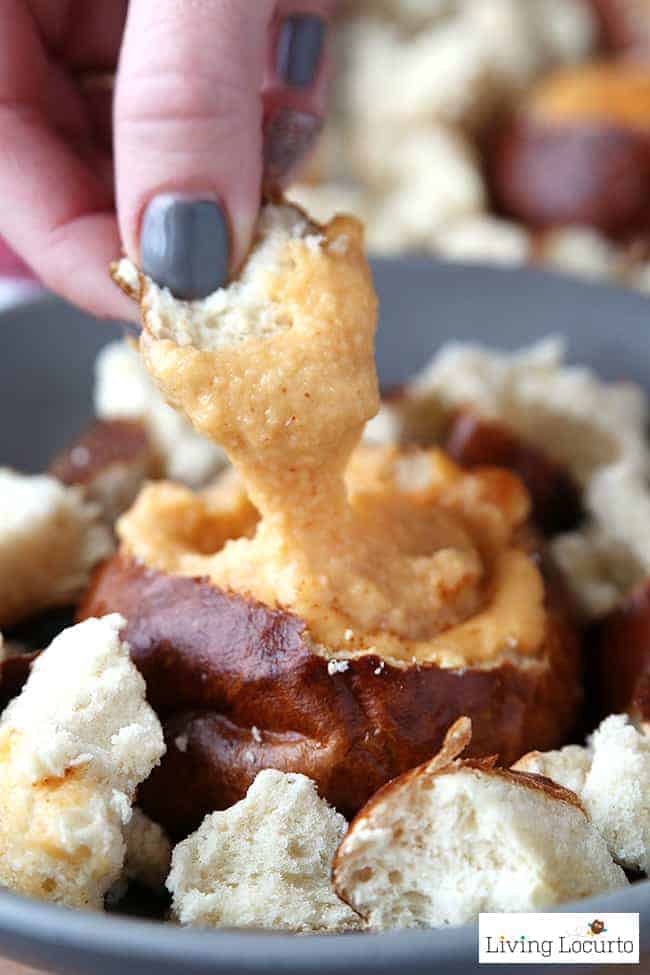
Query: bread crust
621,649
238,688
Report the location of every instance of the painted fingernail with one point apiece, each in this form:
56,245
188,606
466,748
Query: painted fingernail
288,137
300,46
185,245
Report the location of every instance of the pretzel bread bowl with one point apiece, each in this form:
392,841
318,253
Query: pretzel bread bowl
329,609
578,152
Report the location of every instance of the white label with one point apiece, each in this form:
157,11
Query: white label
558,939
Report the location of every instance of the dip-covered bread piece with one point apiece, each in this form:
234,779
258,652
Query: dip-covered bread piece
264,863
74,746
456,837
342,618
612,778
50,539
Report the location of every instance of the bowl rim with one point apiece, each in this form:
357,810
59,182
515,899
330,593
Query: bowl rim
155,942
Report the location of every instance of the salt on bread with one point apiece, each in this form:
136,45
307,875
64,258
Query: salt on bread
454,837
50,539
263,863
612,779
125,391
74,746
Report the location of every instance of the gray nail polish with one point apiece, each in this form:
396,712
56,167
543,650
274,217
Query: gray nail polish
300,45
288,137
185,245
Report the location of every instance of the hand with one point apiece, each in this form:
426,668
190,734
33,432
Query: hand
208,94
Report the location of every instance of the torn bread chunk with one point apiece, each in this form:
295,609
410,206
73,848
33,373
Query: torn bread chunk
50,539
453,838
125,391
612,778
148,852
242,310
567,766
74,746
263,863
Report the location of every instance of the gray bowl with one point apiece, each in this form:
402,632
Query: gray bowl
45,397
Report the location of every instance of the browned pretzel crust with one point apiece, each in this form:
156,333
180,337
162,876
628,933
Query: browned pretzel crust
239,688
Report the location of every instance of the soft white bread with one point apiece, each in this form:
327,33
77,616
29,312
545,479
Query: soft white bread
568,766
263,863
124,390
453,838
74,746
50,539
148,852
612,778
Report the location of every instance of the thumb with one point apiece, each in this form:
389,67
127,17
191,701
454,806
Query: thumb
188,133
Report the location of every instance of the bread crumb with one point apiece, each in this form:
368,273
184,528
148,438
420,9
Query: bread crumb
257,734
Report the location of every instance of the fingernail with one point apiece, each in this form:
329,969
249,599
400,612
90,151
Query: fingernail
288,137
185,245
300,45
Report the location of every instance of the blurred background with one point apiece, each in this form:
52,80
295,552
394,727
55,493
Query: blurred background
501,131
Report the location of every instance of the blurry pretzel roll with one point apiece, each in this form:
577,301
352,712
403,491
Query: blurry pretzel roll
110,461
624,25
578,152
